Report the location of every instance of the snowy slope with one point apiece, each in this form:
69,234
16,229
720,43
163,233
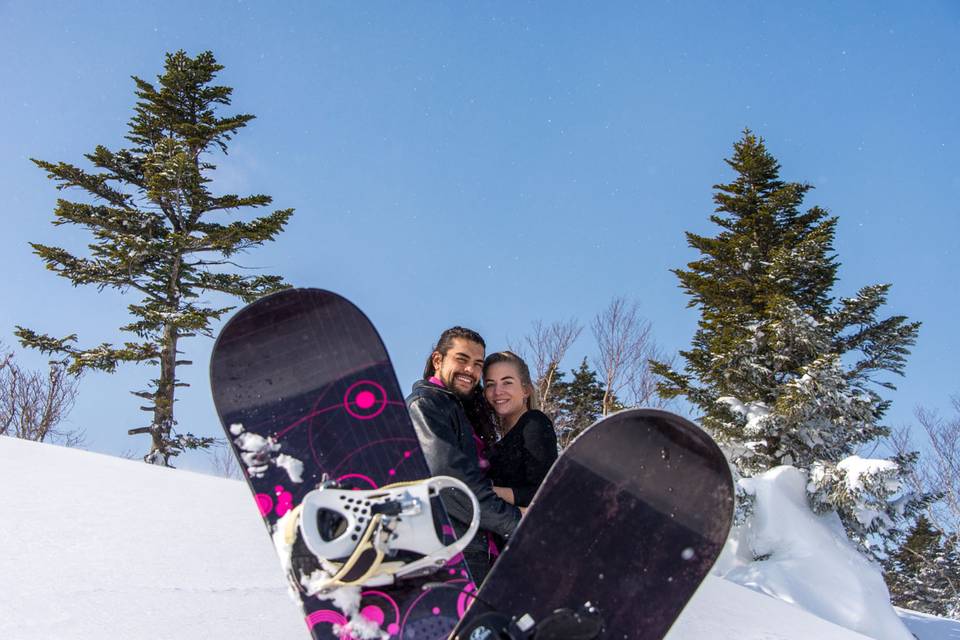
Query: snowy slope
97,547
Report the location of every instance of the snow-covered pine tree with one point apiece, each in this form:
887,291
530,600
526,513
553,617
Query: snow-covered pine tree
951,560
924,572
783,374
159,232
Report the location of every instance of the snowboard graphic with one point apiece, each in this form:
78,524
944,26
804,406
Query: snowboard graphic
630,519
306,393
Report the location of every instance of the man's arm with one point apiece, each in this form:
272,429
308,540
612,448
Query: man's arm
444,457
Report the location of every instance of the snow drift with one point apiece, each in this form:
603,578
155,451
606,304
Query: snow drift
807,559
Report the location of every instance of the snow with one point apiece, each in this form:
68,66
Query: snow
926,627
259,453
752,412
100,547
856,474
807,559
856,468
292,466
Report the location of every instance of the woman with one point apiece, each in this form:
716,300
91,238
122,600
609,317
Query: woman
528,444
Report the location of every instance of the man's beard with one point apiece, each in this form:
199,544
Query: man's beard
462,395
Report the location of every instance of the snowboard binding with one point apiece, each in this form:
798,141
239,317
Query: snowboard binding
374,537
584,623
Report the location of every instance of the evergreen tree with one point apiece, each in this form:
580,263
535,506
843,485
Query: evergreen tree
150,218
924,573
782,373
579,402
951,560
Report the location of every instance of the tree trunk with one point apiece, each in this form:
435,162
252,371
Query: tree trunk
163,422
164,397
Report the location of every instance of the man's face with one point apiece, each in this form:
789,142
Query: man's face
461,368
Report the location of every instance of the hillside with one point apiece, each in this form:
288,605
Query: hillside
100,547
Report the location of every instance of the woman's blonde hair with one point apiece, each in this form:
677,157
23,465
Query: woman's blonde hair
533,400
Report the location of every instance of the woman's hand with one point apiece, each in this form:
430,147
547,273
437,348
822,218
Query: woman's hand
505,493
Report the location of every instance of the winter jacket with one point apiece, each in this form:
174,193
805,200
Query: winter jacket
446,438
521,459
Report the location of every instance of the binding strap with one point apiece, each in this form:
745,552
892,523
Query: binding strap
366,559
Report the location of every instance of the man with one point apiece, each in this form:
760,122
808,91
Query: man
446,436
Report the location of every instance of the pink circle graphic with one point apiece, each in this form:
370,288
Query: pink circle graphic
325,615
379,614
284,503
357,476
264,503
373,613
463,602
365,399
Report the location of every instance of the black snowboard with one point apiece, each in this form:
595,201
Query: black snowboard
304,388
630,518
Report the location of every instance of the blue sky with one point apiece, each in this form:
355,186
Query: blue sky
491,164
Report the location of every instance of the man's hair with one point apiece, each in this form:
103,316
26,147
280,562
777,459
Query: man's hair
444,344
478,412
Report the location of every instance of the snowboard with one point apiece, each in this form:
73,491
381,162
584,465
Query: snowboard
623,530
306,393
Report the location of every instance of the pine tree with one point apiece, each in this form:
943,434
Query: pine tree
782,373
153,235
924,573
951,560
579,402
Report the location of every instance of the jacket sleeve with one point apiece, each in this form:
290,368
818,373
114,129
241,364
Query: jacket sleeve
539,454
438,440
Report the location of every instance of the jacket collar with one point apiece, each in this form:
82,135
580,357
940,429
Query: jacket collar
430,387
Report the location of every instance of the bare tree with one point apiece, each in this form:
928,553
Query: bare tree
900,442
642,385
625,346
223,461
33,404
546,347
940,467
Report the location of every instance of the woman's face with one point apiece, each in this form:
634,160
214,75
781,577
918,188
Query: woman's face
504,390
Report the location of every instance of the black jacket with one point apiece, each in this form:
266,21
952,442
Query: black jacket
446,438
521,459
